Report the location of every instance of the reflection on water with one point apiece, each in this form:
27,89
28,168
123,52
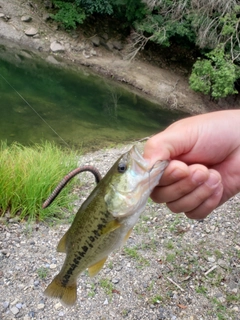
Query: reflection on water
85,110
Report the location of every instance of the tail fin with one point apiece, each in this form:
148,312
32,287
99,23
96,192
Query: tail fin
67,294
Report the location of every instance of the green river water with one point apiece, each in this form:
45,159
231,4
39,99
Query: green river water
86,111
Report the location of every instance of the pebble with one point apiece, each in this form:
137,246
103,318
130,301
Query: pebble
26,18
41,306
31,314
36,283
6,304
115,281
211,259
235,309
31,32
105,302
14,310
53,266
57,306
19,305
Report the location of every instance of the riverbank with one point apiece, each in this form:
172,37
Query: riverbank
166,86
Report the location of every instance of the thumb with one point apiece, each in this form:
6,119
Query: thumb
171,143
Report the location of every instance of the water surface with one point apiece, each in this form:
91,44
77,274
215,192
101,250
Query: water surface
84,110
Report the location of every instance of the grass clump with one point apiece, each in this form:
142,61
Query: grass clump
28,175
42,272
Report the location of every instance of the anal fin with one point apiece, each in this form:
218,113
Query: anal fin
94,269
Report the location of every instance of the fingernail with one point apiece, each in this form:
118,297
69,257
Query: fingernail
213,180
199,177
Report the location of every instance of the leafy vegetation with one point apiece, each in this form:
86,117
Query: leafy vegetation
212,26
69,14
28,175
216,75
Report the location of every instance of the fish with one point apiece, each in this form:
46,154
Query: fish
104,221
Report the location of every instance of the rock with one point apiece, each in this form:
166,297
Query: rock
36,283
14,310
57,47
95,41
109,45
48,4
117,45
105,36
26,18
52,60
31,32
40,306
93,52
235,309
115,281
211,259
105,302
2,15
53,266
57,306
19,305
6,304
31,314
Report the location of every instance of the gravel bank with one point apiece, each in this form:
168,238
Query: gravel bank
171,268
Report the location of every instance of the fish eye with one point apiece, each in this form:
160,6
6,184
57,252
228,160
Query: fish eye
122,167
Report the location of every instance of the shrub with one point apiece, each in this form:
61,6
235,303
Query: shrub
216,75
69,14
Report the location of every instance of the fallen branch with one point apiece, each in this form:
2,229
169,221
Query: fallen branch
169,279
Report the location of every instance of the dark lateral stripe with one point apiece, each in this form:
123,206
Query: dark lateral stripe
77,259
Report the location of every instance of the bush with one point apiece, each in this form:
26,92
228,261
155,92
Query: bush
216,75
28,175
69,14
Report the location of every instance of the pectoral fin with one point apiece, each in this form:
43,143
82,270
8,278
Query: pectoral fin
62,244
111,226
94,269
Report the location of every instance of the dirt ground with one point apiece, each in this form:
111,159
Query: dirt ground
167,85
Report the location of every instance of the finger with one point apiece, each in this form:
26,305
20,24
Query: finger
207,206
175,171
171,142
198,196
198,174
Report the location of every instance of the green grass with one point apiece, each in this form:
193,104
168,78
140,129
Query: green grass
107,286
28,175
133,253
156,299
42,272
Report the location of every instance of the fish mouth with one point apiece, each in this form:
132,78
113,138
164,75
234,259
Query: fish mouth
139,163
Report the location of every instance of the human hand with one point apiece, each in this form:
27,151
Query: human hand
205,167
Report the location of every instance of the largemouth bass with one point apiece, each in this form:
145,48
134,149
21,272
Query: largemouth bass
104,221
